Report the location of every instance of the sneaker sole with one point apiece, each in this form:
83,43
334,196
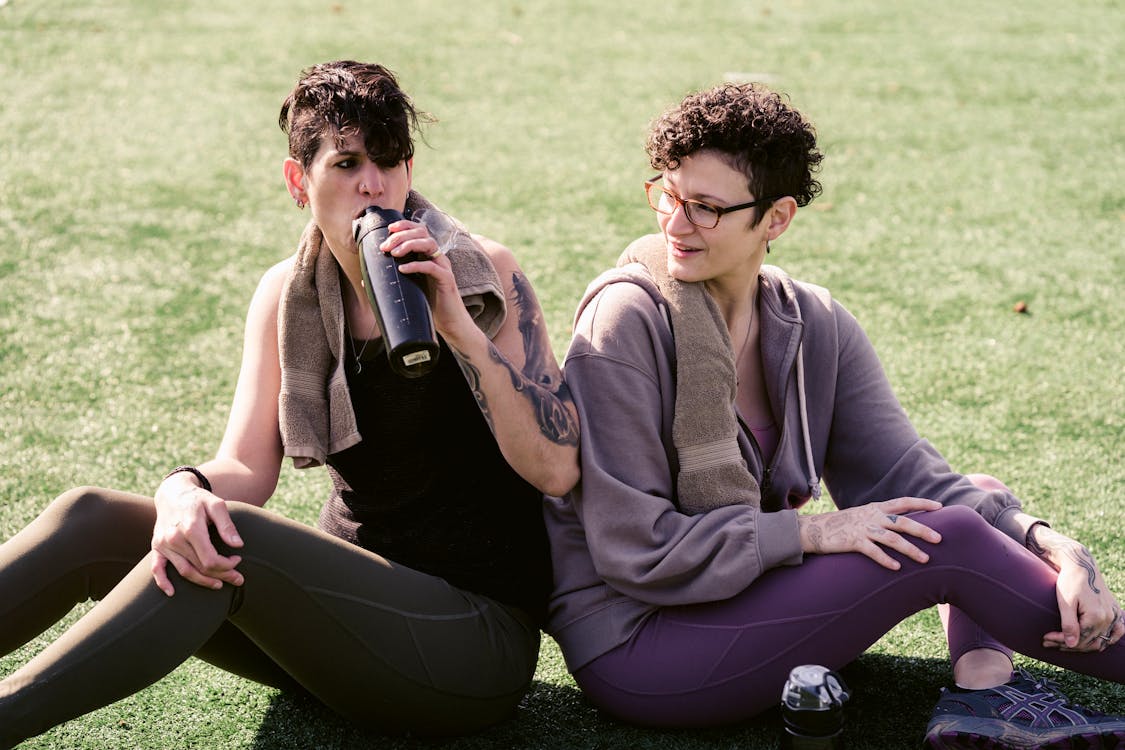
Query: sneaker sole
973,733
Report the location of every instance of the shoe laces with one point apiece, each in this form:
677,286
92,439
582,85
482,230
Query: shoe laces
1043,705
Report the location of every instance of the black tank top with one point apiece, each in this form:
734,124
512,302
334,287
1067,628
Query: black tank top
428,488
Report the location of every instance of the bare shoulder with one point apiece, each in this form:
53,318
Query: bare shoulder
502,258
515,282
267,297
270,286
275,276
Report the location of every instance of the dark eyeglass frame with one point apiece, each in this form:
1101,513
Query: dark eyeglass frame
719,211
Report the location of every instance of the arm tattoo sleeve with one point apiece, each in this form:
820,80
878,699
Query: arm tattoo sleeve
472,374
546,400
546,394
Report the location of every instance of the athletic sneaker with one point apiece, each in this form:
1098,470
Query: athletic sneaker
1023,714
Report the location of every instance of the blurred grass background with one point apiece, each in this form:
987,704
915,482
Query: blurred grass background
974,161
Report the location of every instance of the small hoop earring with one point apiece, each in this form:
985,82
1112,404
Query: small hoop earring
767,247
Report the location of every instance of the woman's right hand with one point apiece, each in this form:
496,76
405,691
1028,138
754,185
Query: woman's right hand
870,528
185,513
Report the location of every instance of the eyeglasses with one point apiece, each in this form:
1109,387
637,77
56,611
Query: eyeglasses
703,215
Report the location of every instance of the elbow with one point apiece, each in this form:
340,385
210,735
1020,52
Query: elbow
560,478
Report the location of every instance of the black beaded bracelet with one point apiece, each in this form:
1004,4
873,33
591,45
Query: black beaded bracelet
191,469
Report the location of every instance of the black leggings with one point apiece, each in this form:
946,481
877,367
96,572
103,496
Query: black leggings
384,646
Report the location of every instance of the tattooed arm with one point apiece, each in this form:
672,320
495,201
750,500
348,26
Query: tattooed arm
518,384
1091,615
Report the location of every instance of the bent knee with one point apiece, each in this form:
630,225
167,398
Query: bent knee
248,517
92,518
87,506
958,522
253,524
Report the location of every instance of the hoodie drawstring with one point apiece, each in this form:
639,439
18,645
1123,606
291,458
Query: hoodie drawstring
814,480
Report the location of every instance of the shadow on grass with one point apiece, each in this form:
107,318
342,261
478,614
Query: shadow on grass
893,697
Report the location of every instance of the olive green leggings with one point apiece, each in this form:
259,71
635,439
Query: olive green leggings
384,646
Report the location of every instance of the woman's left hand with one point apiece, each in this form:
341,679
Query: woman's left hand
445,300
1092,619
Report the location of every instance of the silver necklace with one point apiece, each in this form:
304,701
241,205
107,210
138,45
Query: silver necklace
749,328
359,357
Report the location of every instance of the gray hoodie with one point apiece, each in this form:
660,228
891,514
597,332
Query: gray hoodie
620,546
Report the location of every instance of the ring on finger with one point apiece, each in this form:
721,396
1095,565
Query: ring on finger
442,250
1105,638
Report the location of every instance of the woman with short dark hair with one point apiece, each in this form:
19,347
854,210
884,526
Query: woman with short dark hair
416,606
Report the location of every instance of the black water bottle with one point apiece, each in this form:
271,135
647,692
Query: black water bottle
401,308
812,709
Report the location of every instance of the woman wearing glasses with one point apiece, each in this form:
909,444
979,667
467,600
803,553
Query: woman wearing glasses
715,393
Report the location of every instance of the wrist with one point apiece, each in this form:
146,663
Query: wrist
808,533
191,475
1030,541
1049,545
465,336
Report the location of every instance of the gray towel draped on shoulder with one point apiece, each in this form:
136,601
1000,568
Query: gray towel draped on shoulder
705,424
314,408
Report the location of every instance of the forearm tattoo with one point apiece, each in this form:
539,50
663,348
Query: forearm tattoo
547,394
472,374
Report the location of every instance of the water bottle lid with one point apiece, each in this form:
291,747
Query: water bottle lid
372,218
812,687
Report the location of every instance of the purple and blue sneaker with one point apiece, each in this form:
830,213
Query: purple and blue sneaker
1023,714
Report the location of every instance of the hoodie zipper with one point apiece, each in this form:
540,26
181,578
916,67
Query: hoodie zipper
767,471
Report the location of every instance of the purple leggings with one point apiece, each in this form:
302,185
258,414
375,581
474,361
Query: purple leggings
722,662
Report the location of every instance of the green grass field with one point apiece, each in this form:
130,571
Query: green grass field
974,160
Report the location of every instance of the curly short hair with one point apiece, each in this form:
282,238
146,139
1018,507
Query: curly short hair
761,134
343,98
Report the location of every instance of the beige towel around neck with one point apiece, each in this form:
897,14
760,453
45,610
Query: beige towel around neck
314,407
705,424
